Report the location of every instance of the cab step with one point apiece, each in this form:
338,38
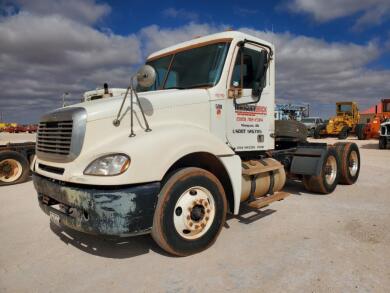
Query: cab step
266,200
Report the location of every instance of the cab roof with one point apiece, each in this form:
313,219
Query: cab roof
223,36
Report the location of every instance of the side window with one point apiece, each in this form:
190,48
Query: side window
249,68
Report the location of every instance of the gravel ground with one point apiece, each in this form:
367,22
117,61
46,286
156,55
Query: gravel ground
305,243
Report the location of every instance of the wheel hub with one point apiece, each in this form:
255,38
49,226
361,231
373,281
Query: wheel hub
5,169
353,163
194,213
197,213
330,170
10,170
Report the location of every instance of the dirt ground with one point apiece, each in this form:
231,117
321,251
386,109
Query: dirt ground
305,243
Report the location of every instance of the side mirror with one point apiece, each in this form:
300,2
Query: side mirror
146,76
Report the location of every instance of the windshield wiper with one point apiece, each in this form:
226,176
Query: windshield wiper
175,88
209,84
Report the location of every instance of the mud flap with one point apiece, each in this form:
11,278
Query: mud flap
308,160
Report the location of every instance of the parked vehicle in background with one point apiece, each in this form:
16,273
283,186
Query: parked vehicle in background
20,128
372,128
311,123
195,139
291,111
10,129
32,128
341,125
15,160
384,135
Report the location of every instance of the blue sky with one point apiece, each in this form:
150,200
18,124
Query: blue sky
126,18
327,50
263,15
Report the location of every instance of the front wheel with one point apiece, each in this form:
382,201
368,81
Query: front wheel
190,212
327,181
343,133
318,130
14,168
360,131
382,142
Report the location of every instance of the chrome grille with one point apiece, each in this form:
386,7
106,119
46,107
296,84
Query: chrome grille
55,137
60,134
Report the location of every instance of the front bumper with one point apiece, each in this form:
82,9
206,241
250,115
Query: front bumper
115,211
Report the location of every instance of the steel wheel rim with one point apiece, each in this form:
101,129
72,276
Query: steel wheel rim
11,170
353,163
194,213
330,170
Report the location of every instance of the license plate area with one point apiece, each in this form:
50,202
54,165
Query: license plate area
54,218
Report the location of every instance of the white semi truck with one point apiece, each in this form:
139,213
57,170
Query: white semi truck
192,138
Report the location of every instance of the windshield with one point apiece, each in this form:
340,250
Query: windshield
308,120
344,108
197,67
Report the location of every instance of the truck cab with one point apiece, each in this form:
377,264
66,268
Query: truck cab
192,137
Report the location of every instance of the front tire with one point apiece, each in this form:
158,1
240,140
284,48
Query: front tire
328,179
360,131
382,143
343,133
190,212
318,130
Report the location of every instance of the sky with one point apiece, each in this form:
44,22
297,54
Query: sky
326,50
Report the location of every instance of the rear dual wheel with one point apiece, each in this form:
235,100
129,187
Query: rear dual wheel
190,212
341,165
328,178
349,161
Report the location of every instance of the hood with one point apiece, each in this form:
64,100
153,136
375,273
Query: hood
151,102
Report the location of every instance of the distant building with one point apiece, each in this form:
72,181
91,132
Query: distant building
291,111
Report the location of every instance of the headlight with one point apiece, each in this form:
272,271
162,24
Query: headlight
108,165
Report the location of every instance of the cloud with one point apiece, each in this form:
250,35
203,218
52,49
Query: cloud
180,13
43,56
155,38
322,73
85,11
369,13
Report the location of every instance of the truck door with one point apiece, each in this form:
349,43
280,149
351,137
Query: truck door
250,107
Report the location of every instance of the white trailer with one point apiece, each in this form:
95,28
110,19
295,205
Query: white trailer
193,140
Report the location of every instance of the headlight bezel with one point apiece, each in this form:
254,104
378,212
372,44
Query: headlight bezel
124,167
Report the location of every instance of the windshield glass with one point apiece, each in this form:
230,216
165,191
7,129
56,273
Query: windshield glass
344,108
197,67
308,120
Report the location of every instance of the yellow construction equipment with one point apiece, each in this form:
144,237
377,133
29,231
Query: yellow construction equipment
341,125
